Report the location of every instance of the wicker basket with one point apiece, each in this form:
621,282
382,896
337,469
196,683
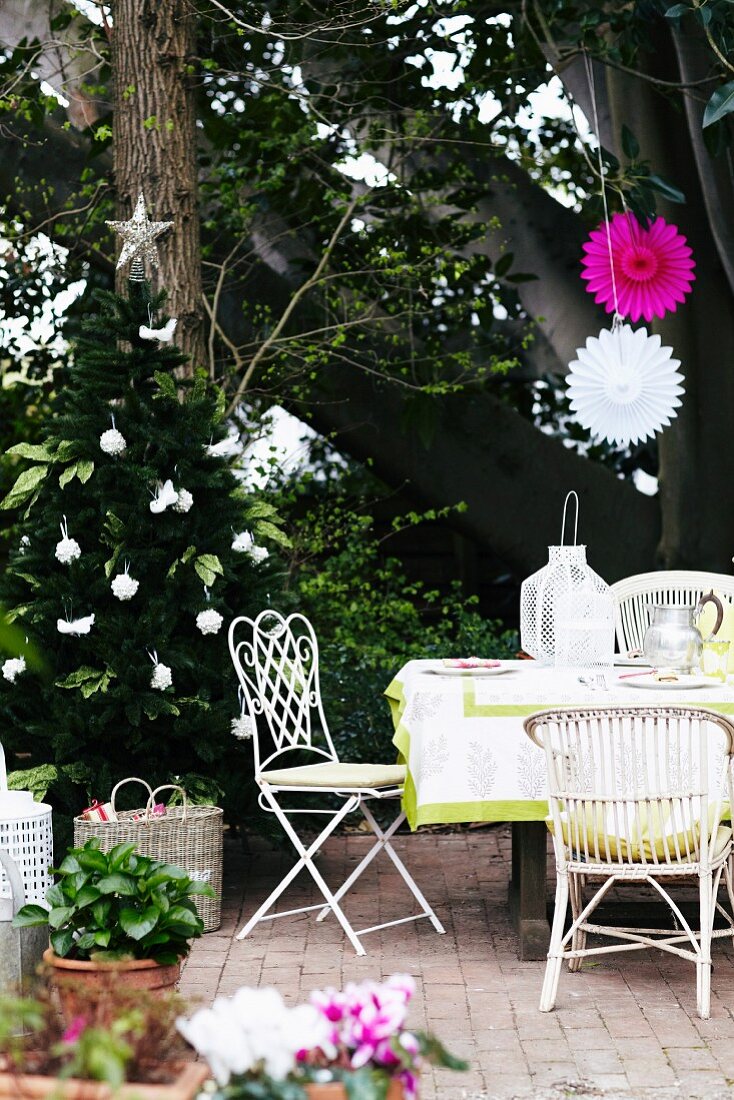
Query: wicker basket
188,836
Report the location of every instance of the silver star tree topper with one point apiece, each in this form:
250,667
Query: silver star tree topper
138,236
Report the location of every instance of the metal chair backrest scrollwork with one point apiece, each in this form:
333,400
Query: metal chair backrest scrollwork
277,664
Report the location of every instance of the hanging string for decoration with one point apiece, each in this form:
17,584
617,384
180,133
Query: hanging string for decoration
624,386
652,268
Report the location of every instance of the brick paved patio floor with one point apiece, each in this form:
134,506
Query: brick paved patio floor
625,1025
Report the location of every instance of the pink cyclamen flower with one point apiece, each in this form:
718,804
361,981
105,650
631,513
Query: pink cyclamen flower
75,1029
653,267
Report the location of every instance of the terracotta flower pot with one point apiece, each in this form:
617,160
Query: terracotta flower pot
186,1080
80,981
334,1090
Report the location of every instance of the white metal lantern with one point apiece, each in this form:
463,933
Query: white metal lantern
566,609
26,834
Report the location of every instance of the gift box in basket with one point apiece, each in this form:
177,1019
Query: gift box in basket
189,836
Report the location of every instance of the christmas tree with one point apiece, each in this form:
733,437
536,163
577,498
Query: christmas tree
137,546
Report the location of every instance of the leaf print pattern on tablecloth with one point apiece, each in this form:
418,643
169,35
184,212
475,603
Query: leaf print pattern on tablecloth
434,758
423,705
531,771
481,769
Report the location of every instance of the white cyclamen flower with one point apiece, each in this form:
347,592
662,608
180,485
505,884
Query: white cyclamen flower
113,442
209,621
124,586
13,667
243,542
184,501
161,678
242,727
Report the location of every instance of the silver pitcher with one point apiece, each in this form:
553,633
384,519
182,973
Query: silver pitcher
672,640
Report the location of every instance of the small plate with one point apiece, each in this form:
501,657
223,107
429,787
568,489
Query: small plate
684,683
631,662
481,671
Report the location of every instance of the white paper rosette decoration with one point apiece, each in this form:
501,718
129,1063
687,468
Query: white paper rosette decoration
113,442
184,501
624,387
67,550
124,586
13,667
209,621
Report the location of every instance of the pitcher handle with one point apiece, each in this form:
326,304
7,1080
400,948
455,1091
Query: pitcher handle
710,597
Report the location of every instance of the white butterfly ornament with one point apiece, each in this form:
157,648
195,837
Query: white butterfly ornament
165,495
162,335
76,626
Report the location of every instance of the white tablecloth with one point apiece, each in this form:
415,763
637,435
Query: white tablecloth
463,741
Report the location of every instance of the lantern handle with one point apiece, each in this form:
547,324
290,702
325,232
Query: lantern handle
576,524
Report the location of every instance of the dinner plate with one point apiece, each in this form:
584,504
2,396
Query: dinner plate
470,671
684,683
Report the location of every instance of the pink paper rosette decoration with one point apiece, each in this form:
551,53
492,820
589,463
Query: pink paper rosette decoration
653,268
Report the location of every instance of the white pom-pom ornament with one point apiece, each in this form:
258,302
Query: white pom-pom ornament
242,727
258,554
67,550
113,442
124,586
13,667
624,387
161,678
209,621
184,501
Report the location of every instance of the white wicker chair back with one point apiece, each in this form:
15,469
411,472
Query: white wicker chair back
636,786
634,598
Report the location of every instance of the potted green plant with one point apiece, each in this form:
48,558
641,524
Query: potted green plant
100,1054
116,913
350,1045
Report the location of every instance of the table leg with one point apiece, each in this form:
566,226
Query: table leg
528,889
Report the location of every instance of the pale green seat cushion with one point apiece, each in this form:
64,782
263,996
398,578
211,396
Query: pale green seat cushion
338,775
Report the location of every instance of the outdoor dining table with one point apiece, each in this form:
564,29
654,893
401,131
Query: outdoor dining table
469,760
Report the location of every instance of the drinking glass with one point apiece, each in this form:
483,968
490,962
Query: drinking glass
715,659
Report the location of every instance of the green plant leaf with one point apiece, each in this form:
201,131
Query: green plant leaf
86,896
65,451
208,567
137,924
102,937
67,475
84,469
30,916
119,854
24,487
79,676
118,883
91,859
504,264
630,144
60,916
720,104
62,941
37,452
85,942
270,531
672,194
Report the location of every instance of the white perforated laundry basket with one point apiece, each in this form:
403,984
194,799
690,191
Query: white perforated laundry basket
25,832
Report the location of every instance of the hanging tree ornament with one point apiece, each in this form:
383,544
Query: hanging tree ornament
243,542
624,387
165,495
163,335
13,667
113,442
75,626
161,677
224,448
67,550
139,235
209,621
123,585
635,271
184,500
242,727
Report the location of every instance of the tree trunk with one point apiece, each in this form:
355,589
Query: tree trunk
696,463
153,49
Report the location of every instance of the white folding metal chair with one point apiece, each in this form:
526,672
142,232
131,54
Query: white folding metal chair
637,795
634,598
277,664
